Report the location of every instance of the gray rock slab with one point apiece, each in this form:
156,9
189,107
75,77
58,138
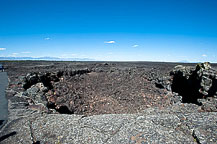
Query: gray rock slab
113,128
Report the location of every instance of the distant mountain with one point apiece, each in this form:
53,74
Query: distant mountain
184,61
46,58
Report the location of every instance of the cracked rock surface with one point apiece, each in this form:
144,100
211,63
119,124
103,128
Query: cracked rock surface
152,126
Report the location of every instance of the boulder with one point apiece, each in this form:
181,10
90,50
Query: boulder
193,84
29,80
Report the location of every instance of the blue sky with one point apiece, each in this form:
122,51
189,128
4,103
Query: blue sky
119,30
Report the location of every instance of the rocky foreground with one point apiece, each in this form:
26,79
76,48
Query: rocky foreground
177,124
111,103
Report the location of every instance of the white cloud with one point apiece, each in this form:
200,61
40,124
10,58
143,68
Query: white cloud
135,46
15,53
110,53
204,55
1,49
26,52
110,42
47,38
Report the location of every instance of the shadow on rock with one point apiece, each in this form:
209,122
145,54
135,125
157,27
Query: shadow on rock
7,136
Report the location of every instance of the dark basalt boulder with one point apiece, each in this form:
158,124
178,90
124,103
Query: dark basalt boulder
163,82
29,80
196,85
34,78
201,80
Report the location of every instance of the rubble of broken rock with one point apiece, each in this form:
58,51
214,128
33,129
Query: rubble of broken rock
102,88
96,88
